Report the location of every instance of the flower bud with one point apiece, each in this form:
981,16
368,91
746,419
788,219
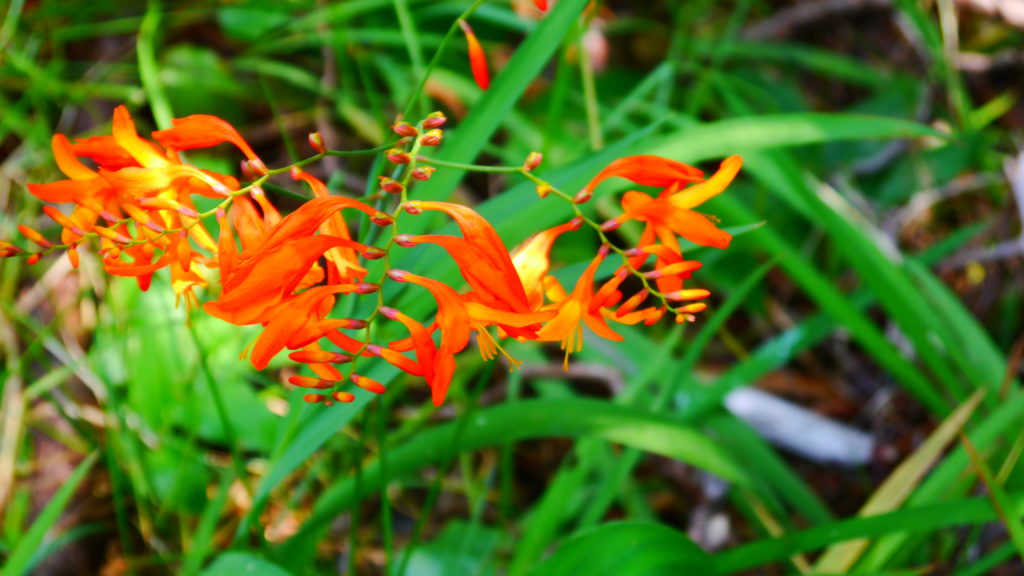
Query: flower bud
366,288
388,312
368,384
397,275
431,138
111,235
34,236
310,382
8,250
682,295
693,308
434,120
34,258
610,225
423,172
374,253
319,357
404,129
314,398
343,397
316,141
543,190
532,161
582,196
257,166
382,219
390,185
412,207
576,223
398,156
404,240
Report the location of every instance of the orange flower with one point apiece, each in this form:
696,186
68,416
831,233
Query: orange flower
457,316
577,308
477,58
671,215
344,261
483,261
270,271
531,260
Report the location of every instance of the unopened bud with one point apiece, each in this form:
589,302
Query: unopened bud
434,120
319,357
423,172
343,397
543,190
390,185
532,161
404,129
111,235
388,312
8,250
398,156
431,138
397,275
374,253
316,141
576,223
610,225
33,258
693,308
247,171
382,219
366,288
310,382
34,236
681,295
582,196
258,166
404,240
314,398
368,384
354,323
412,208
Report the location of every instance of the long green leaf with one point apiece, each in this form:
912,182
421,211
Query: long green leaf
516,422
628,549
19,562
900,484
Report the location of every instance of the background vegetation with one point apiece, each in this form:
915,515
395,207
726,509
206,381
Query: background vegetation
876,279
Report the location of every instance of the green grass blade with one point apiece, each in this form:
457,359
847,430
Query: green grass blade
520,421
900,484
921,519
19,561
638,549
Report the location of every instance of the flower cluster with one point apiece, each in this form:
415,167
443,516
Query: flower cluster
286,273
